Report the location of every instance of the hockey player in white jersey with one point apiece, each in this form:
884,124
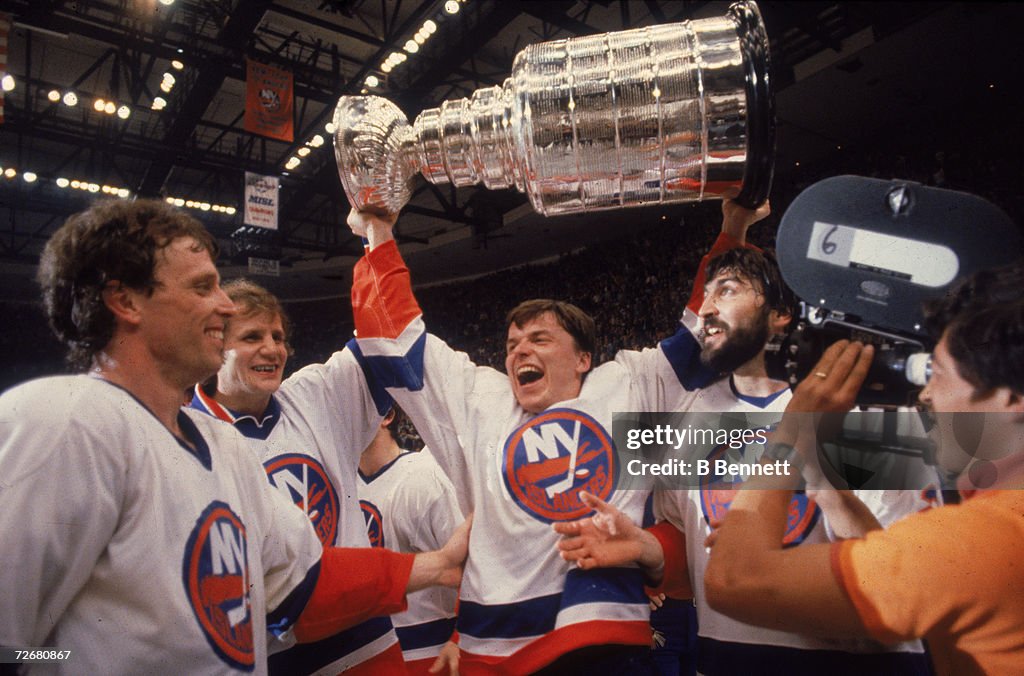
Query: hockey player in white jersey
524,445
148,537
740,304
308,433
409,506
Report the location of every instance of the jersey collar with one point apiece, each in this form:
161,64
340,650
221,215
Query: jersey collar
253,427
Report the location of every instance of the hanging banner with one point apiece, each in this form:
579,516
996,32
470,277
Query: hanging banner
264,266
269,108
261,200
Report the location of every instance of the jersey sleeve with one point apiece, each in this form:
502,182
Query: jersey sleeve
436,386
340,399
61,490
943,566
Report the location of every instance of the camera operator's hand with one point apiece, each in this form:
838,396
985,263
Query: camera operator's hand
833,383
736,220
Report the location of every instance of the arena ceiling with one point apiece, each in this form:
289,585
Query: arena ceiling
843,72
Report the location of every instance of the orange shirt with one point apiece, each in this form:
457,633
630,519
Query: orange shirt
954,575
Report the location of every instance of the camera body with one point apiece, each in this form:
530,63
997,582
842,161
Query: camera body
864,255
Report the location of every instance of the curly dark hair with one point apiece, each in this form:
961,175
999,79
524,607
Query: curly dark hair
110,241
760,269
575,321
983,320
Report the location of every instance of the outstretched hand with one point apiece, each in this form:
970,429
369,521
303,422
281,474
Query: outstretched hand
609,538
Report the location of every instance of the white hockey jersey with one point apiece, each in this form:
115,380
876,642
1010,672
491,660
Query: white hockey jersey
131,549
409,506
521,605
727,646
309,440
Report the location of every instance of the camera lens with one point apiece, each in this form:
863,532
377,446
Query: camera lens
919,368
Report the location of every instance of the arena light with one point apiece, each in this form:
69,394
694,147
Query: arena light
29,176
177,65
165,87
420,38
166,3
7,83
63,182
411,46
109,108
292,163
76,184
330,128
159,103
316,141
9,172
70,99
231,211
386,67
123,112
451,6
94,187
178,202
123,193
430,27
303,151
53,95
98,105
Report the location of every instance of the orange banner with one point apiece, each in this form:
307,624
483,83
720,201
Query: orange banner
269,104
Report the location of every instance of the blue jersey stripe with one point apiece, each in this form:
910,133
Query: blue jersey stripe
683,353
381,399
306,658
426,634
404,371
534,617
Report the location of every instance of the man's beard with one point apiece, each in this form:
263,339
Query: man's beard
741,344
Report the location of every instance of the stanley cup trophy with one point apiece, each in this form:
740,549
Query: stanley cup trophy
656,115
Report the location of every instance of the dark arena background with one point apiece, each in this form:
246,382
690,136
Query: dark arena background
924,91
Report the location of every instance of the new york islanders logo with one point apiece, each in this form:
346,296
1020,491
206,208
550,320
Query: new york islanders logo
216,580
304,481
549,460
374,523
717,493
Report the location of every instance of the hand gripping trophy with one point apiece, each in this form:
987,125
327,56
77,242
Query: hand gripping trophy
656,115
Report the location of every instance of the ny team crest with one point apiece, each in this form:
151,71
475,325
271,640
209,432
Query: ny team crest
304,481
216,571
550,459
374,523
717,493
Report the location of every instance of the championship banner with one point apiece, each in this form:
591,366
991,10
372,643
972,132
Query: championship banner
5,28
268,101
261,200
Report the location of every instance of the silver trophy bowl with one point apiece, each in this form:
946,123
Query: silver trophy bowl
663,114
